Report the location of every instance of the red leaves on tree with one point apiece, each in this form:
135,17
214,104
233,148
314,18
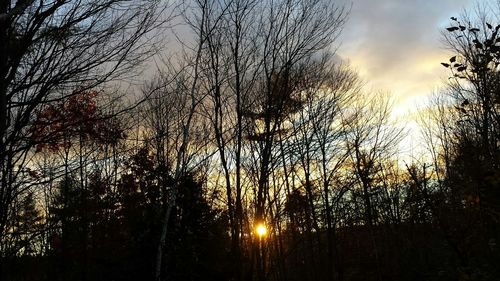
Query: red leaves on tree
74,119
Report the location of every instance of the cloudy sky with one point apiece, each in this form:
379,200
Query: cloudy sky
395,45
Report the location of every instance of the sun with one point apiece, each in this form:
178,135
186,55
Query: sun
261,230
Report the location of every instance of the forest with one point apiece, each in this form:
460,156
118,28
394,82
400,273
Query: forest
227,140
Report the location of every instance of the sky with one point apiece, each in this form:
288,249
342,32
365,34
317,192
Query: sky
395,46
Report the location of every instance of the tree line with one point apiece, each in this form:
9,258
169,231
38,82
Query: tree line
253,121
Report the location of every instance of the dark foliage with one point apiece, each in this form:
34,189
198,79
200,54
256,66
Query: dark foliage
102,232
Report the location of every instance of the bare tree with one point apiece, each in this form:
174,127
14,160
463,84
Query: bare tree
371,139
174,116
231,70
